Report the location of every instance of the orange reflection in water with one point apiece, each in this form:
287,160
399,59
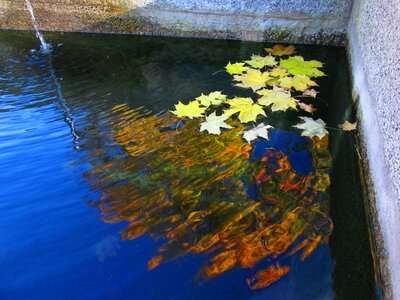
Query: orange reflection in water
190,188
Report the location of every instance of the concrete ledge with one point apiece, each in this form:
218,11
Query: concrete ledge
374,52
306,21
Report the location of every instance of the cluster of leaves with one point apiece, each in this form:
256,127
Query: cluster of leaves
198,201
279,81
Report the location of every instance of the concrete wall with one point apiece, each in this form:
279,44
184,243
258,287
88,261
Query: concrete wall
308,21
374,47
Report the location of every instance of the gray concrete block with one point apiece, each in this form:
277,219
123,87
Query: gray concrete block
374,44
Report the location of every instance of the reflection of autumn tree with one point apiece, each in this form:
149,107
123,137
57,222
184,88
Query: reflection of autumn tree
192,190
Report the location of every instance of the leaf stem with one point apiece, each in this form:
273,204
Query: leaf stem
219,71
177,125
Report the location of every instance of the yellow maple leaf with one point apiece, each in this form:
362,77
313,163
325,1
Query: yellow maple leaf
274,81
281,50
280,100
254,79
247,109
299,82
214,98
278,72
259,62
236,68
190,110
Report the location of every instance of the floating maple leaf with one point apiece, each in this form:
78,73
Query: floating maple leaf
311,92
190,110
347,126
307,107
259,62
281,50
312,127
236,68
247,109
213,124
278,72
274,81
254,79
260,131
280,99
299,82
296,65
214,98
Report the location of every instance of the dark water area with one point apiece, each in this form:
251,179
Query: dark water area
103,196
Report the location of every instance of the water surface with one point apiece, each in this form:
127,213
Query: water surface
74,179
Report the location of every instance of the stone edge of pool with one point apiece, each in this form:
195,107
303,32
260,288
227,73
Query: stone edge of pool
369,30
320,22
374,50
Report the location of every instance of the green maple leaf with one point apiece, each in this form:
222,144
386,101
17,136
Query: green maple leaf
312,127
214,98
236,68
190,110
254,79
280,99
259,62
299,82
296,65
280,50
247,109
213,123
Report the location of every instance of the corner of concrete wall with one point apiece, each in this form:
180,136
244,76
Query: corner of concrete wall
374,50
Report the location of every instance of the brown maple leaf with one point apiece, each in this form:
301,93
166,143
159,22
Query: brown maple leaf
307,107
311,92
347,126
281,50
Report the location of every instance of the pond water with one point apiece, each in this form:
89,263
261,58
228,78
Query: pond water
105,195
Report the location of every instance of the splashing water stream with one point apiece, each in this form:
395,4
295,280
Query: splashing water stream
45,47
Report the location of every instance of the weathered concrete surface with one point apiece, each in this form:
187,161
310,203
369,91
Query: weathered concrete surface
374,46
307,21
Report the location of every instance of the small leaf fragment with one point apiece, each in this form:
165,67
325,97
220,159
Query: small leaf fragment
247,109
236,68
312,127
260,131
214,123
281,50
347,126
254,79
190,110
